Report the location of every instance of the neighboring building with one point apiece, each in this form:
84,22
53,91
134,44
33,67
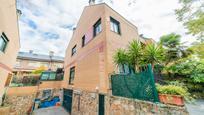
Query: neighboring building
27,62
89,55
9,41
145,40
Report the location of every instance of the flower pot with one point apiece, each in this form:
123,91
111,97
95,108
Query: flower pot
171,99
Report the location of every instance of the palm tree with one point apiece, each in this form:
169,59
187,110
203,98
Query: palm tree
135,54
153,54
121,58
170,40
174,48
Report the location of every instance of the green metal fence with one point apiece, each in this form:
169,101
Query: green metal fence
138,85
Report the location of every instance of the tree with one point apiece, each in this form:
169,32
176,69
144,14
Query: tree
173,47
171,43
170,40
135,54
192,16
198,50
39,70
121,58
153,54
190,68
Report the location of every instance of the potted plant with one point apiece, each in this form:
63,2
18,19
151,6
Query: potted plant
172,94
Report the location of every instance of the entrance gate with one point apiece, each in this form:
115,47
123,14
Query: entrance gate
101,104
67,100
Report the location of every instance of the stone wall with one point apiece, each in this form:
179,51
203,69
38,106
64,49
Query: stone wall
125,106
5,110
54,92
20,104
84,103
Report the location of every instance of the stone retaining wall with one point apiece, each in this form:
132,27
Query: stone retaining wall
5,110
20,104
54,92
125,106
21,99
86,103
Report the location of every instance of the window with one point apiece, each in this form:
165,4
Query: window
73,50
71,75
44,76
58,65
46,93
52,76
3,42
18,63
115,25
97,27
83,41
124,69
59,74
48,76
34,64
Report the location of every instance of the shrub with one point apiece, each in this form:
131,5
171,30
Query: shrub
189,68
174,90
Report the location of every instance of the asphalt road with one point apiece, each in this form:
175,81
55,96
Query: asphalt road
196,108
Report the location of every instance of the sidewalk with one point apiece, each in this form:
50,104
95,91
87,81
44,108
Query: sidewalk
196,108
51,111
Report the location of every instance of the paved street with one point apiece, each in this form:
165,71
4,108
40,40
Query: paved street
196,108
51,111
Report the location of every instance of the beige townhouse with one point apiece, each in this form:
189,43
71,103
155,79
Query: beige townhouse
9,41
27,62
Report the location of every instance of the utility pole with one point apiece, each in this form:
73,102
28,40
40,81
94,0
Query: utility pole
51,54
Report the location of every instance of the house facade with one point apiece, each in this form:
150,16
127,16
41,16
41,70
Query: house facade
146,41
89,55
27,62
9,41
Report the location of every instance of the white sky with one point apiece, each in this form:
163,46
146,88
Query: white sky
46,25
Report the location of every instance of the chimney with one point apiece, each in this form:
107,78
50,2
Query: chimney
91,2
